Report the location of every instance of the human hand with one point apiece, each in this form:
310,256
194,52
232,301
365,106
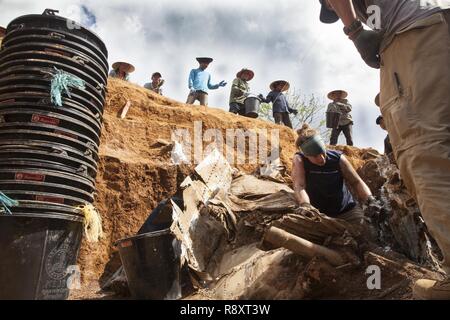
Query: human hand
368,42
373,207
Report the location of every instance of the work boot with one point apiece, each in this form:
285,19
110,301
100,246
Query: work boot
425,289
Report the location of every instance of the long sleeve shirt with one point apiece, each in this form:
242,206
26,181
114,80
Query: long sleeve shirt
239,91
345,109
200,80
279,102
114,74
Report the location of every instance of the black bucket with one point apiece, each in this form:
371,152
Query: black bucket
46,197
64,114
44,208
38,253
333,119
58,50
51,119
50,149
65,39
35,58
35,96
58,24
152,264
30,76
83,98
53,137
252,105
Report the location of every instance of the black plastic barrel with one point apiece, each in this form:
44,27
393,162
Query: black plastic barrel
152,264
252,105
37,255
333,119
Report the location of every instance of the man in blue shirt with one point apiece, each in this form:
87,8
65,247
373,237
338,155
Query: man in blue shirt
200,83
280,105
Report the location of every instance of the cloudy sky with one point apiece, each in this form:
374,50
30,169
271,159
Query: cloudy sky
278,39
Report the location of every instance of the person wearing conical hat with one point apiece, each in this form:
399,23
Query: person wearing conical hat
280,105
2,35
199,83
341,105
240,90
156,84
122,70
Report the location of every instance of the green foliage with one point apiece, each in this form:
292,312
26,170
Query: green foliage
310,109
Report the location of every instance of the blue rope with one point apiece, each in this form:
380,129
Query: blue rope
61,83
7,202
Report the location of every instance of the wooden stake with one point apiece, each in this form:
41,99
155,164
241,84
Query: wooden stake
281,238
125,109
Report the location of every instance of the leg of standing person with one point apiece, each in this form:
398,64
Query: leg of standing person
348,133
234,108
191,98
335,136
418,120
278,117
203,98
287,120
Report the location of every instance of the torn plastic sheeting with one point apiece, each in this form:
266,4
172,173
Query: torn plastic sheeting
281,201
200,234
248,276
247,186
180,229
273,169
216,173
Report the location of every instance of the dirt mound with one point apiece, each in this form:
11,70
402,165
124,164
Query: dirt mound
136,171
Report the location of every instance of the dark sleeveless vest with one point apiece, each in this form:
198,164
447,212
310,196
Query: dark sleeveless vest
325,186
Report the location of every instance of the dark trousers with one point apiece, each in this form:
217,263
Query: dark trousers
282,117
201,96
237,108
347,133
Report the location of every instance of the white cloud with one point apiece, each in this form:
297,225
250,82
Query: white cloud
277,39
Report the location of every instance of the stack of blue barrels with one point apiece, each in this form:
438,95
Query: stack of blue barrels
49,141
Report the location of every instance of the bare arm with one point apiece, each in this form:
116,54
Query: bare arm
344,9
298,177
354,180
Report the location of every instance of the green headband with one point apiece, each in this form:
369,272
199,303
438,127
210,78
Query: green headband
313,146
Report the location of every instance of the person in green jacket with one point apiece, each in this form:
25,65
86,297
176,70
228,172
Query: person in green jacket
340,104
240,90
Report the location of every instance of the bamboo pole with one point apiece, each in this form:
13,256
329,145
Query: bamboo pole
281,238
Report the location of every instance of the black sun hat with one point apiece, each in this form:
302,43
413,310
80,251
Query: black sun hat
248,71
284,83
204,60
342,94
327,15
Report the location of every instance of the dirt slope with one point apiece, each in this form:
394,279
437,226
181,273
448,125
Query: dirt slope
135,171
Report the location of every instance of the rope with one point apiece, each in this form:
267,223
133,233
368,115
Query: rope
61,83
7,202
92,222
